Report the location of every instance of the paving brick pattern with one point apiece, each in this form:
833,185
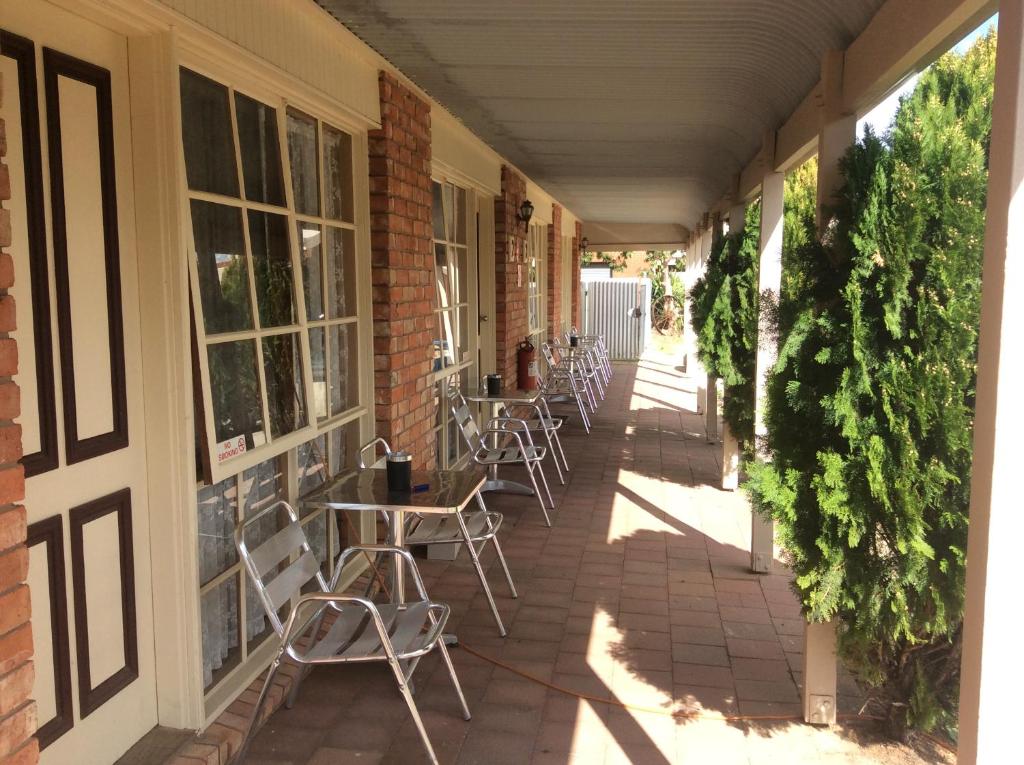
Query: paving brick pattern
639,594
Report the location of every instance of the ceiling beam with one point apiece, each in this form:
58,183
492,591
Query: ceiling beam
903,37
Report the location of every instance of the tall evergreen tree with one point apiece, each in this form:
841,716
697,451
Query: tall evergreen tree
871,403
724,318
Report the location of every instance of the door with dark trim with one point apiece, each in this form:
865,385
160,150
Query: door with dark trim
66,106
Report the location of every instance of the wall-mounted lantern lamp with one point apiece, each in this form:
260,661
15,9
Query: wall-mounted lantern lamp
526,212
583,246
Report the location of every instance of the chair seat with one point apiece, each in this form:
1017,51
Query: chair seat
510,454
545,423
353,635
444,529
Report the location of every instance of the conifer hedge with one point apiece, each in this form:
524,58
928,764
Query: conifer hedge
724,318
870,406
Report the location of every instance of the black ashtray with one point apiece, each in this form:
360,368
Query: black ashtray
493,385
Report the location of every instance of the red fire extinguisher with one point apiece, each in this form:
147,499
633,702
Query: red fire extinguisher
526,365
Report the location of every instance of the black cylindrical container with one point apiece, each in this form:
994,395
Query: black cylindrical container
574,340
399,467
493,385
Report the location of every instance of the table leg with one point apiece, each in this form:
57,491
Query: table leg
397,539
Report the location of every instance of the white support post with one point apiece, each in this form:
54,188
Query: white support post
730,447
990,675
706,236
838,132
762,530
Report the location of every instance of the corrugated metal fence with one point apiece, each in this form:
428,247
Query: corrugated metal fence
619,309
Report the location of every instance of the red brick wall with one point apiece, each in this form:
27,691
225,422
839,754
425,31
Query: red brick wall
576,276
510,281
403,271
555,272
17,711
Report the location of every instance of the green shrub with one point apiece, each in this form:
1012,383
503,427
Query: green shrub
870,405
724,319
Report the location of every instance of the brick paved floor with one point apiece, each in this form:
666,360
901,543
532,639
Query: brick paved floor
639,594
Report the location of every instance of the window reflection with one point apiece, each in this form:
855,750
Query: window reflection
222,268
235,390
260,150
272,264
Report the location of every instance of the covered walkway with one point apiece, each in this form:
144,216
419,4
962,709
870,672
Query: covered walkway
639,595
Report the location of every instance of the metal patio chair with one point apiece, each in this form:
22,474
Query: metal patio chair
539,419
513,445
586,357
465,528
362,631
598,344
558,388
559,370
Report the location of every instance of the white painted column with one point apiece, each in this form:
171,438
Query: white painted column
762,531
838,133
711,410
730,447
706,237
990,676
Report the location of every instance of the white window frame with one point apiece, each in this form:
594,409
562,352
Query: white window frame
536,290
468,356
271,446
226,688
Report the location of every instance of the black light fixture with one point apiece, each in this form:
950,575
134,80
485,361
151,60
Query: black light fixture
583,246
526,212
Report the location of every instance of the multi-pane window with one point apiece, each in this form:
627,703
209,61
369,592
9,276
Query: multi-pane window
451,269
242,270
273,274
456,319
536,247
567,286
321,165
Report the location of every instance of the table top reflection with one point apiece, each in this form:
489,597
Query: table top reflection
447,491
480,396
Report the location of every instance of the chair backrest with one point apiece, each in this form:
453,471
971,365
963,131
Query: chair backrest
549,354
371,448
464,420
276,577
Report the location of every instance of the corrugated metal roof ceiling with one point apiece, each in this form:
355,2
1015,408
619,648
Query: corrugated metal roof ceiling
625,110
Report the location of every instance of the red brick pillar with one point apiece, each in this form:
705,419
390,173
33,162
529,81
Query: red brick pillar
576,319
404,323
511,278
17,710
555,272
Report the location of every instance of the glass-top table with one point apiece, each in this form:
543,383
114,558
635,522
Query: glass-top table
446,492
495,402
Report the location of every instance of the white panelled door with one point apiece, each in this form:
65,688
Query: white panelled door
66,106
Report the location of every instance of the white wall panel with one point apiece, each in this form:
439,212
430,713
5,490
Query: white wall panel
100,545
86,257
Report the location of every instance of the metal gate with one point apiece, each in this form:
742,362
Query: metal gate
620,310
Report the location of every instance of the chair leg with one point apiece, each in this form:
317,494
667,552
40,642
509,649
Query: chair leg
561,451
504,567
403,687
480,573
536,490
293,694
554,457
547,490
455,679
255,721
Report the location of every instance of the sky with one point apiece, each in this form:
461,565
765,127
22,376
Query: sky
881,116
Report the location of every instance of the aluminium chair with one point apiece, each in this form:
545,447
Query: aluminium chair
362,631
466,528
513,445
539,419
